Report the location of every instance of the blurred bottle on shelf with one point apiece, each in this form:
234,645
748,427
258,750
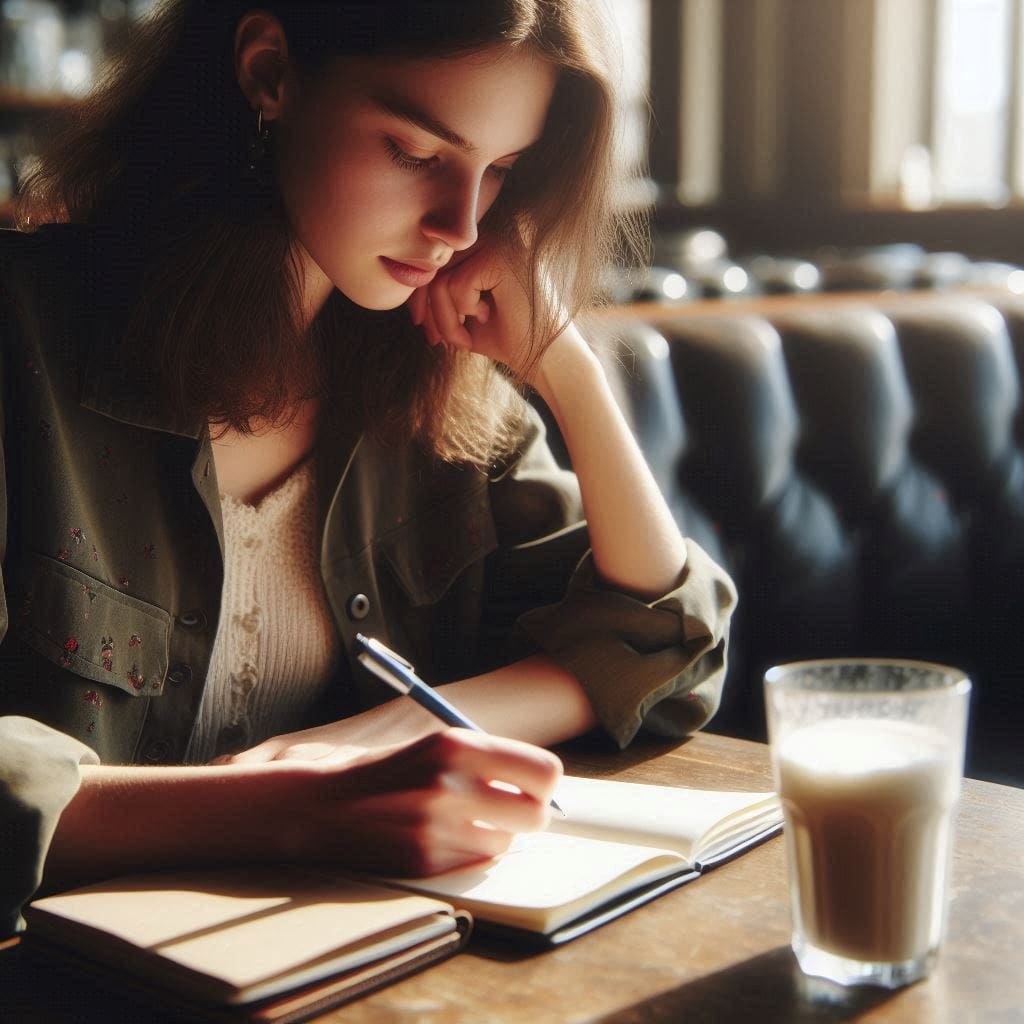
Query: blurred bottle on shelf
51,48
83,50
7,178
31,44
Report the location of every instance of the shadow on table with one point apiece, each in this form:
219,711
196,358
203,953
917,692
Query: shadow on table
769,989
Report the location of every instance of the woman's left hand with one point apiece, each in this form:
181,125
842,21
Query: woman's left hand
391,724
479,303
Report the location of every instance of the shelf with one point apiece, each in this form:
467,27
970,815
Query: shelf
17,101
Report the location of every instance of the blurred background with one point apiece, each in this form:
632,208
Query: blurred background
781,145
51,52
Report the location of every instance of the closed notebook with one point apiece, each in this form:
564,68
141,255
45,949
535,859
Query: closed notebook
619,845
273,943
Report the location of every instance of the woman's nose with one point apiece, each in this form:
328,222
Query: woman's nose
453,215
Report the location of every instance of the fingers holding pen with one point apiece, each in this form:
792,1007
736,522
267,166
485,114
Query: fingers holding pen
451,798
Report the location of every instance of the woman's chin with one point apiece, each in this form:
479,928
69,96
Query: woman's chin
378,298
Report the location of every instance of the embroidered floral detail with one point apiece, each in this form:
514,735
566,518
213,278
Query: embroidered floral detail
70,647
30,365
148,551
107,653
135,678
63,554
134,640
95,554
45,430
76,534
123,580
92,697
250,621
91,727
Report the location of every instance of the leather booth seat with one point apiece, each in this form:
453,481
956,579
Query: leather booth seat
858,465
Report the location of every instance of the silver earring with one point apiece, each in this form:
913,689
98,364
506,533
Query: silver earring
258,149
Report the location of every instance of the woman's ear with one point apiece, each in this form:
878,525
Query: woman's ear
261,60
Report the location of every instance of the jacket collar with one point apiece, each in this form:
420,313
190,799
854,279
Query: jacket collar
126,388
117,383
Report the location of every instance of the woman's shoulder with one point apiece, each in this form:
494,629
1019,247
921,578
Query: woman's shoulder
73,267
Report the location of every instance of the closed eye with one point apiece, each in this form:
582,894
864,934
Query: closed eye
407,160
420,163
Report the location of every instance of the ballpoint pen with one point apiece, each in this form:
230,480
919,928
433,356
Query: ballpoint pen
397,672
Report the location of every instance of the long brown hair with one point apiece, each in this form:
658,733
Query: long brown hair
158,155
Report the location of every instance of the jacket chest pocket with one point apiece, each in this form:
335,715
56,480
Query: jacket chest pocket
91,629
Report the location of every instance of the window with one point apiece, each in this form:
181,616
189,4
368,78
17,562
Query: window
900,104
631,19
973,84
945,113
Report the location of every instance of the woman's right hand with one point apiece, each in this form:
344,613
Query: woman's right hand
416,808
447,799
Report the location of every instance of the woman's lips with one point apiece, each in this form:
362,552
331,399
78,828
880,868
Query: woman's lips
405,273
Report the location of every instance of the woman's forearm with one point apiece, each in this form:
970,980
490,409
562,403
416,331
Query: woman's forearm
635,541
128,818
413,808
533,700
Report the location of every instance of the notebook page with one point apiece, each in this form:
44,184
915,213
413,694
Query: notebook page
544,880
659,816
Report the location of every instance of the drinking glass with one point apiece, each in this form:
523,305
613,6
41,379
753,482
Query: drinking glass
868,757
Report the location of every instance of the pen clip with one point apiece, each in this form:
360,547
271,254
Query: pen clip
376,645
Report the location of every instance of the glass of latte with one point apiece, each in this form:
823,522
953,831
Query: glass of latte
868,757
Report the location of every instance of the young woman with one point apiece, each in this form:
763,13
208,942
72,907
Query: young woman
261,330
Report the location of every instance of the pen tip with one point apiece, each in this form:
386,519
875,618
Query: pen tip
554,804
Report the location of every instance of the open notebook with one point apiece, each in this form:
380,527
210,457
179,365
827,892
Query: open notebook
277,944
619,845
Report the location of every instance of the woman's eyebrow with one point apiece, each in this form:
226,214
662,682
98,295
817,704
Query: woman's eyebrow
406,110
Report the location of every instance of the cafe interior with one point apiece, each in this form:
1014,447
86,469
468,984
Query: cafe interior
822,357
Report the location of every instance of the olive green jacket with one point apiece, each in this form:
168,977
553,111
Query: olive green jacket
112,562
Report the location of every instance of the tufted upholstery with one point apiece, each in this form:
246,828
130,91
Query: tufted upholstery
858,465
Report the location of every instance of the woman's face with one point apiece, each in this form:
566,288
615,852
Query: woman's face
387,166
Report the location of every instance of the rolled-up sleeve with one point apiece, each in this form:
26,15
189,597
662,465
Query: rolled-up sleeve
39,775
659,665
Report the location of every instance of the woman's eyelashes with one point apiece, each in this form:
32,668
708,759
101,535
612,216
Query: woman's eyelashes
407,160
420,163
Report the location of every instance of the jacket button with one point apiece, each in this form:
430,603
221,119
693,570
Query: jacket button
156,750
358,607
180,673
193,619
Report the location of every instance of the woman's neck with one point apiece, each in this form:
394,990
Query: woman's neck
316,286
250,466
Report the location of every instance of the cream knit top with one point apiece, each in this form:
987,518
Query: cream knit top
276,644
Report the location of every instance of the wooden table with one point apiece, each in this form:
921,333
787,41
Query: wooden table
713,952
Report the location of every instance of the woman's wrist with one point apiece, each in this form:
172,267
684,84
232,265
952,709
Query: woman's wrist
568,368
